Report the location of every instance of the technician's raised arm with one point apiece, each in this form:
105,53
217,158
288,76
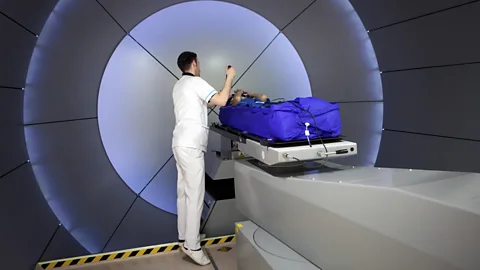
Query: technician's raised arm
220,99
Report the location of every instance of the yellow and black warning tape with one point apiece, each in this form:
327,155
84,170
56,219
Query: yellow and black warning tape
123,254
237,227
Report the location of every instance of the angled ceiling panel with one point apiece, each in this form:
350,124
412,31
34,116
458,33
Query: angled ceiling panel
444,38
378,13
30,14
131,12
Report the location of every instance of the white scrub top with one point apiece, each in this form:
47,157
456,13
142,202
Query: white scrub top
190,99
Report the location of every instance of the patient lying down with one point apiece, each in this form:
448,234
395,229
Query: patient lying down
247,99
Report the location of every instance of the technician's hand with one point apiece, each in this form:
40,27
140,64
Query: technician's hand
231,72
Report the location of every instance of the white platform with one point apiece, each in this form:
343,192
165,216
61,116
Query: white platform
275,155
368,218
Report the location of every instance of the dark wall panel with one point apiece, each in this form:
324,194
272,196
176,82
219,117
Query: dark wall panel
78,180
63,245
145,225
439,101
411,151
27,223
130,12
30,14
68,62
12,140
378,13
336,52
444,38
15,51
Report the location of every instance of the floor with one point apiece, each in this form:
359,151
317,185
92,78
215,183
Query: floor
223,257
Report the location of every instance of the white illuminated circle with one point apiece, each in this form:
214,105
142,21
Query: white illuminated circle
135,111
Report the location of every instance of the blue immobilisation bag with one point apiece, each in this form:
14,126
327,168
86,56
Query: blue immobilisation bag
285,121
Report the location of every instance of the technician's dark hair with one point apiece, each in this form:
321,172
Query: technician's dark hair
185,59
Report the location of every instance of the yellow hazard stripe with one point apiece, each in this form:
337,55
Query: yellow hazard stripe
129,253
237,227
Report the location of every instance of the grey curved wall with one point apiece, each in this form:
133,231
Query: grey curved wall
18,188
28,224
63,139
419,47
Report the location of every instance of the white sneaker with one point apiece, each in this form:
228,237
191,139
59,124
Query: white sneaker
198,256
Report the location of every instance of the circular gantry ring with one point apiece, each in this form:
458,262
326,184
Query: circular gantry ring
98,98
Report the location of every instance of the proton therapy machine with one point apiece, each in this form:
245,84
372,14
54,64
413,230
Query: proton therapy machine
296,209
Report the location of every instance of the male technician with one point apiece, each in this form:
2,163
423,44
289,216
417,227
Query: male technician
191,96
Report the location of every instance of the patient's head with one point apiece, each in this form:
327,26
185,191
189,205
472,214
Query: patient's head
188,62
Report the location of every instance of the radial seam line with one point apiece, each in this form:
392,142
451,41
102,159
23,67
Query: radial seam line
430,67
136,41
14,169
431,135
48,244
422,16
17,23
296,17
60,121
155,175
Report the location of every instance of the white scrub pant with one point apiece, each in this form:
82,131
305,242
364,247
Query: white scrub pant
190,194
